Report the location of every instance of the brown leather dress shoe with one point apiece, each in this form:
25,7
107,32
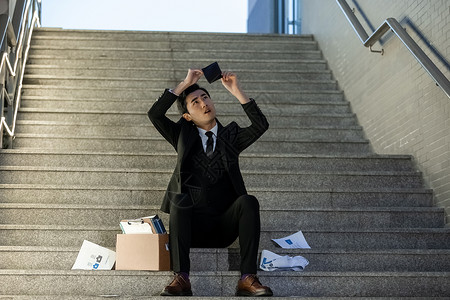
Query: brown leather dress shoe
250,286
178,287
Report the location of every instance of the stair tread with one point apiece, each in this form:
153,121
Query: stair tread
122,112
261,189
279,251
109,78
344,156
66,297
156,207
84,124
280,233
223,273
154,170
143,100
157,138
224,60
50,66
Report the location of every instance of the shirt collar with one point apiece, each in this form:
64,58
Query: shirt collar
203,131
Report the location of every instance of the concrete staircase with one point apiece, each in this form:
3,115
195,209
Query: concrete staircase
86,156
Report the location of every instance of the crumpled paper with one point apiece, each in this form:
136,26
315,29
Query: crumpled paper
271,262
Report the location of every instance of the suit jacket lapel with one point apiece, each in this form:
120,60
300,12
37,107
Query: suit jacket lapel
189,138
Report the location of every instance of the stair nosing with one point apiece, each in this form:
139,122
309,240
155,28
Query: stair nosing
419,251
297,60
170,171
418,230
173,154
289,190
63,206
39,66
120,273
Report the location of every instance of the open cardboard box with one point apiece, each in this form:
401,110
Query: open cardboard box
145,252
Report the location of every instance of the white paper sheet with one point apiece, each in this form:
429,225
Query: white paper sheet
132,227
94,257
294,241
272,262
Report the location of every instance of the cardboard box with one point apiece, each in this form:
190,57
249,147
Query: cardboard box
145,252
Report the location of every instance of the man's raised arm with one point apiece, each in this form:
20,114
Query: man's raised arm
231,83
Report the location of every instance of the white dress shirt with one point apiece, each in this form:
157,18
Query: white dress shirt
204,137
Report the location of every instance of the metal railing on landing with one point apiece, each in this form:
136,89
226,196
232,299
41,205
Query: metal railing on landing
400,32
14,54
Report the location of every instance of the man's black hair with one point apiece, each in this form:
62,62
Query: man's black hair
181,101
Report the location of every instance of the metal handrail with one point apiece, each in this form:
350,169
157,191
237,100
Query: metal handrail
12,74
400,32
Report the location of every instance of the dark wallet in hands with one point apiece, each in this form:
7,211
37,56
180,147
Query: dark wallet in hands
212,72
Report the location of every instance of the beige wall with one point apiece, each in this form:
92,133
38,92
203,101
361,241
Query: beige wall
396,101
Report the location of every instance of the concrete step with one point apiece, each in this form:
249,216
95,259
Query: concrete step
143,131
125,144
269,197
58,33
283,284
224,259
107,35
228,106
121,82
57,297
272,219
141,72
140,118
63,258
71,179
38,93
256,179
360,239
163,160
209,54
217,93
177,63
182,44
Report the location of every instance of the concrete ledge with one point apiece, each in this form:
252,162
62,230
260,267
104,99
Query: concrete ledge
286,284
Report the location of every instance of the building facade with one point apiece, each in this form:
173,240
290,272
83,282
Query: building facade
396,101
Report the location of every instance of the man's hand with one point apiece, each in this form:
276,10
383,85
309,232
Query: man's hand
192,77
231,83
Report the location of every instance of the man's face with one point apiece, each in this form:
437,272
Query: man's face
201,110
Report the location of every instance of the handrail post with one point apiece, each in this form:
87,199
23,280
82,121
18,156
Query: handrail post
362,34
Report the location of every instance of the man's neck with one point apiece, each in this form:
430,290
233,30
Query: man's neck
208,126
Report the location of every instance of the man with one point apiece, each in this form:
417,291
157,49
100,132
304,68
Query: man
206,196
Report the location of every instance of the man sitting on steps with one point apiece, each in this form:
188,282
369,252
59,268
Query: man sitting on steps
206,197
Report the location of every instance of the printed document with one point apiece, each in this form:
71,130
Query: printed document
271,262
296,240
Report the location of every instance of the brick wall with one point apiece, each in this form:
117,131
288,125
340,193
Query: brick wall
396,101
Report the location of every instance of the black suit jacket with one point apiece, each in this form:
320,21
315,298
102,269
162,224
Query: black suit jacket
231,141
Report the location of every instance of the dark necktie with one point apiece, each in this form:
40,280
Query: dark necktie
209,144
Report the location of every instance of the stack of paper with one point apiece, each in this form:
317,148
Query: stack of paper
150,224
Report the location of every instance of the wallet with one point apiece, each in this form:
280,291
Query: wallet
212,72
